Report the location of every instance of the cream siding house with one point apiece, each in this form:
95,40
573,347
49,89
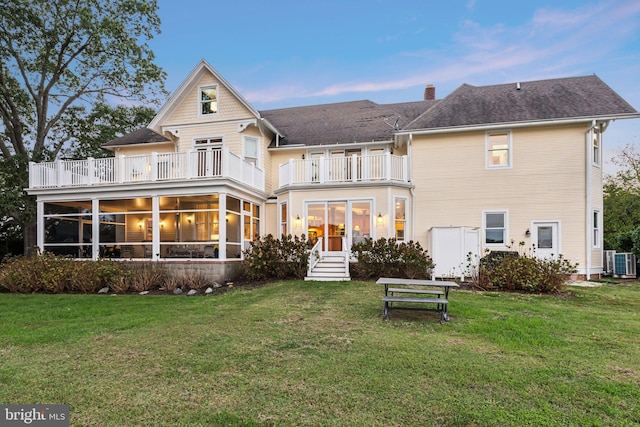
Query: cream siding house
483,169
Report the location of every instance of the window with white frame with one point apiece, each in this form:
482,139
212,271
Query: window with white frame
250,149
495,228
208,100
596,229
400,218
596,149
498,149
283,219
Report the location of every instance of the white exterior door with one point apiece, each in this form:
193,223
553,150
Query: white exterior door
546,239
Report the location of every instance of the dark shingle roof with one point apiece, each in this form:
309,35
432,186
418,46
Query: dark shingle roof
563,98
139,136
343,123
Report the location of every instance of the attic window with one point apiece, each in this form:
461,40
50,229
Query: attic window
209,100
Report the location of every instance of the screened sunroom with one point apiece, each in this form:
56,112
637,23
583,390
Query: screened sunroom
207,226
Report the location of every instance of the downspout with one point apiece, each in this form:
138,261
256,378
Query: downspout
588,205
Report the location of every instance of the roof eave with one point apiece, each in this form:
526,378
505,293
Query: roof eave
546,122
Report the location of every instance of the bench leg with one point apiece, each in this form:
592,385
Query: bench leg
445,314
386,310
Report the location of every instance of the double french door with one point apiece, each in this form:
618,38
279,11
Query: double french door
338,222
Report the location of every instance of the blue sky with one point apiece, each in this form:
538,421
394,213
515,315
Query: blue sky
290,53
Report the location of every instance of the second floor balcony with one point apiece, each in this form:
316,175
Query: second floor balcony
351,169
153,167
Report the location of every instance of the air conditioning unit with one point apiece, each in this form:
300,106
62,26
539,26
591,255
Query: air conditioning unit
625,266
608,262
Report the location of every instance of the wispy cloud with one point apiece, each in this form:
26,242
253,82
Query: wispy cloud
553,42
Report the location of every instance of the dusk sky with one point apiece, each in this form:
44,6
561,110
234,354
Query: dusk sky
290,53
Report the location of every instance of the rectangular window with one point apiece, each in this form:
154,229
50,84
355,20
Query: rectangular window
250,149
209,100
400,218
596,149
596,229
283,219
498,150
495,228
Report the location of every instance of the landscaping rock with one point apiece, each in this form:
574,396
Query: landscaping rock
209,290
217,285
104,290
144,293
192,292
177,291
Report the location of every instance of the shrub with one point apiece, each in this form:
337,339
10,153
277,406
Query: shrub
519,271
269,258
388,258
48,273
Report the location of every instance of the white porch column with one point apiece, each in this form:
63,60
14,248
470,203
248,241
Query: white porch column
387,166
154,166
95,228
222,220
91,170
155,221
40,225
122,168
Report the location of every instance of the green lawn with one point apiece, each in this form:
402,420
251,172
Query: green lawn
302,353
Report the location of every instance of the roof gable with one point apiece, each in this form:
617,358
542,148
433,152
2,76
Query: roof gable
191,83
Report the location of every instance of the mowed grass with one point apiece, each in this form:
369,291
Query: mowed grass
319,354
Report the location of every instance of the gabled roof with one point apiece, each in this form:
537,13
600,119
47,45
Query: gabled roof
139,136
343,123
185,87
556,99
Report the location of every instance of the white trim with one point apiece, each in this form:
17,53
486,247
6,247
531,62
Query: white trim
506,242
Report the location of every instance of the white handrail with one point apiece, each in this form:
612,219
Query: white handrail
315,256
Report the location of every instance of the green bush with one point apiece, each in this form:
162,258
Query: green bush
48,273
389,258
515,271
271,258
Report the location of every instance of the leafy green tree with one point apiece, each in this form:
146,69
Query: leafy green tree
102,124
56,58
622,201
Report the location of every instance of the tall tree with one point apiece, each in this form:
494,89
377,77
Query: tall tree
87,133
57,57
622,200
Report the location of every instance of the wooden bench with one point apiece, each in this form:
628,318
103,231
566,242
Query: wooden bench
441,303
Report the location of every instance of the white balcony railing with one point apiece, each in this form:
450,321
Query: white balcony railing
378,167
145,168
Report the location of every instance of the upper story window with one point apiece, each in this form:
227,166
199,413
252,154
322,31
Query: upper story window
250,149
208,100
495,228
498,150
596,149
